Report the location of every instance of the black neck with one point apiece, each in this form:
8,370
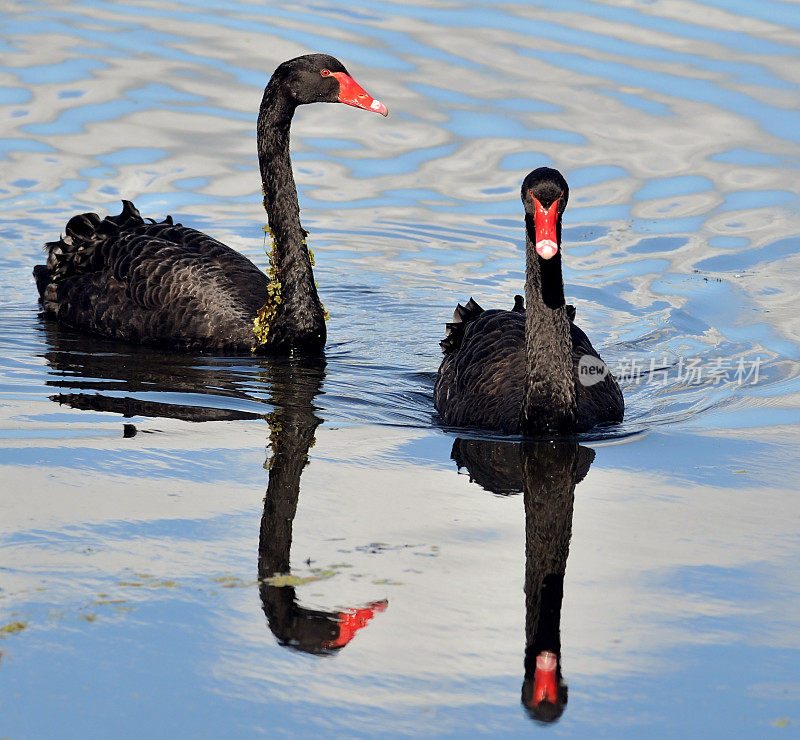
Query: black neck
299,322
549,403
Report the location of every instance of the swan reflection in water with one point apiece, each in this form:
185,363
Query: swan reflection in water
546,473
91,370
292,428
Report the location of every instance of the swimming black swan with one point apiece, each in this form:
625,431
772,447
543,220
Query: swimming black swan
529,370
163,283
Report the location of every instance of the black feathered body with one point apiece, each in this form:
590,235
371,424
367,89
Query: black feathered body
481,381
151,283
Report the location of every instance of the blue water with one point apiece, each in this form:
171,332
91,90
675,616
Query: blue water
137,547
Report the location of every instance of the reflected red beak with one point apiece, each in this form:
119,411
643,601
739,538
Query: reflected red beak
351,93
546,232
352,620
545,687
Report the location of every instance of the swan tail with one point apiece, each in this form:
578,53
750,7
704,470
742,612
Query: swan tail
80,250
454,330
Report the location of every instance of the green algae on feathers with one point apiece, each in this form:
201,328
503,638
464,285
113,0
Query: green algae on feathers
266,314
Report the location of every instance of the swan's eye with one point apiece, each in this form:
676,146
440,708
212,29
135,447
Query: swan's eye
326,73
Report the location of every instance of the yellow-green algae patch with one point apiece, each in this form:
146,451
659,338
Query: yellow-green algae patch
266,314
12,628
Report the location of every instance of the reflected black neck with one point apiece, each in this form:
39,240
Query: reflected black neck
300,319
549,402
549,477
292,424
292,428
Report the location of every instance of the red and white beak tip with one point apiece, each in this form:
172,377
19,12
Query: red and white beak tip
546,248
379,107
351,93
546,661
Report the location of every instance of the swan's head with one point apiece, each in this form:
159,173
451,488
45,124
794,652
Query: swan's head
320,78
545,194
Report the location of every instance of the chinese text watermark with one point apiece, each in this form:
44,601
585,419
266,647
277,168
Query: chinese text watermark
664,370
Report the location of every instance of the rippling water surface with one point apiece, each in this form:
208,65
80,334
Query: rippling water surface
149,498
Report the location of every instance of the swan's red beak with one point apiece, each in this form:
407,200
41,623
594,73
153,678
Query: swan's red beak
546,232
351,93
545,686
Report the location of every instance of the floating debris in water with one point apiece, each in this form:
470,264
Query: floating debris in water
12,628
148,581
289,579
233,582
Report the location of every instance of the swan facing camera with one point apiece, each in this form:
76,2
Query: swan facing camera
591,370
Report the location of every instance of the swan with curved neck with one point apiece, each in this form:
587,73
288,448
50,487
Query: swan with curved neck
165,284
529,370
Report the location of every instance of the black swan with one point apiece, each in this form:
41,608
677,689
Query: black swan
529,370
165,284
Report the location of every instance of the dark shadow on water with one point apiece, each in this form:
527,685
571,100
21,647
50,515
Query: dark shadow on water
546,473
214,387
98,374
602,433
102,376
